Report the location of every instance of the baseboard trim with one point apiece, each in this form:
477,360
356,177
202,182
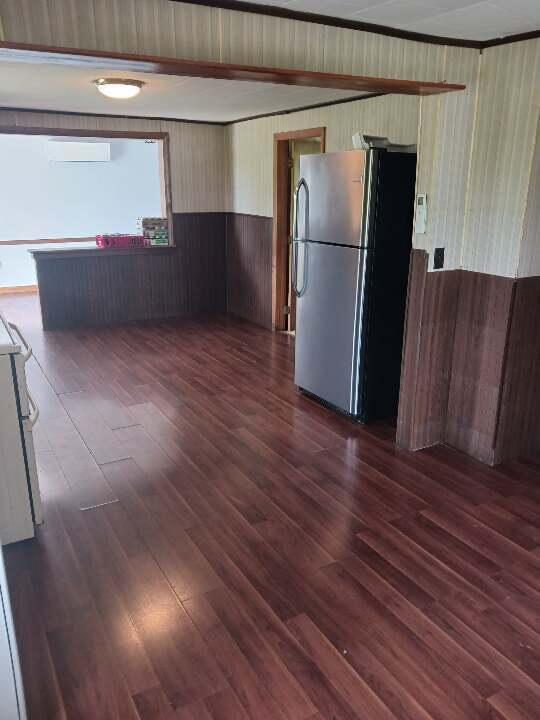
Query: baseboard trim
19,290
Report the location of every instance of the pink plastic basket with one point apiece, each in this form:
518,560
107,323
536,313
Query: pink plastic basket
120,241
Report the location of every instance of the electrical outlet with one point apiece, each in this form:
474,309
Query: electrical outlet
438,259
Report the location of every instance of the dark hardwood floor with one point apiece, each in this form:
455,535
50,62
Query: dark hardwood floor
218,547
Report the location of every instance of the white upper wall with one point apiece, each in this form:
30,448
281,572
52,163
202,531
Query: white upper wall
197,152
503,146
529,256
251,143
40,198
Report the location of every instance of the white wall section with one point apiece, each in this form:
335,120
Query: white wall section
444,154
43,198
197,152
529,257
251,143
504,140
40,198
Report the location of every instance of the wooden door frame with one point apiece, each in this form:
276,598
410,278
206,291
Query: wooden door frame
280,225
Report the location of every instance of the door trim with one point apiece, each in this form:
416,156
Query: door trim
280,226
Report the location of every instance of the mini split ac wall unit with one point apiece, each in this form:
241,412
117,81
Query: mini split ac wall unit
78,151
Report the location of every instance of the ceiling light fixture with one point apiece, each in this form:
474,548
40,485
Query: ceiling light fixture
118,88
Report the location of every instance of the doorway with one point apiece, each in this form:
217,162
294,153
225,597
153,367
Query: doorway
288,148
297,148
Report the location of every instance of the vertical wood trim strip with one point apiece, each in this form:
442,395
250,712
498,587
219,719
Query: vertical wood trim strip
411,350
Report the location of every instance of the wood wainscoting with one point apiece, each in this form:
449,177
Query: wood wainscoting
470,375
220,262
518,432
86,287
249,267
482,323
427,355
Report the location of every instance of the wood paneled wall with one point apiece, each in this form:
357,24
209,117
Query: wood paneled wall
471,364
519,419
427,357
482,323
406,422
249,267
221,262
81,288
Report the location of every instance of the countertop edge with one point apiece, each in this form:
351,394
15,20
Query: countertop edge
58,253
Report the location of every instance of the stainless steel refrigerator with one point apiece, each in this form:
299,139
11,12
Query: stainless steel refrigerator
352,232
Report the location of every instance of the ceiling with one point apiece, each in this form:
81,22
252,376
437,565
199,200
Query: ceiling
70,89
461,19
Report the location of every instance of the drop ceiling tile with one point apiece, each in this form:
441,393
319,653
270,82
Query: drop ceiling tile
484,17
448,5
334,8
526,8
399,12
436,26
466,19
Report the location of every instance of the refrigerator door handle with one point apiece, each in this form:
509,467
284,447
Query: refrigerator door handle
300,291
301,184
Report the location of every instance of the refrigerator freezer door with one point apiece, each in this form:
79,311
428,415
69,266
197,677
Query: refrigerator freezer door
336,197
328,324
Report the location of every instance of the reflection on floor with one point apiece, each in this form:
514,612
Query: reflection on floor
218,547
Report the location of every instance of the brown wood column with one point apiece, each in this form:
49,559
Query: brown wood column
518,430
482,325
427,354
249,267
471,364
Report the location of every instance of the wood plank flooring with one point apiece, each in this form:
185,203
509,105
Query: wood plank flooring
218,547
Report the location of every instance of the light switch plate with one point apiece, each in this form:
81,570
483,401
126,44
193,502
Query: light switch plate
421,214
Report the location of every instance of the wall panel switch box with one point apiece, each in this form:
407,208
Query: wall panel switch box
421,214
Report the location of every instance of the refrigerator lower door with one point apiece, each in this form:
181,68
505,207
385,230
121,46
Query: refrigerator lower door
328,317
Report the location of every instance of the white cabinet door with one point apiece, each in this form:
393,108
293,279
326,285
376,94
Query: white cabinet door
15,510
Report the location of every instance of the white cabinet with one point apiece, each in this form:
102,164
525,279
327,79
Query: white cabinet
12,706
20,503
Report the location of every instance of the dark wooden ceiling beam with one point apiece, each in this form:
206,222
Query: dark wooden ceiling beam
110,62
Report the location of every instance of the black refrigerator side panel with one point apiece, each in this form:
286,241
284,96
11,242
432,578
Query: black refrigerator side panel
386,286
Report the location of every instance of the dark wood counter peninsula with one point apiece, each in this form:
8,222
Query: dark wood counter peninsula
82,287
